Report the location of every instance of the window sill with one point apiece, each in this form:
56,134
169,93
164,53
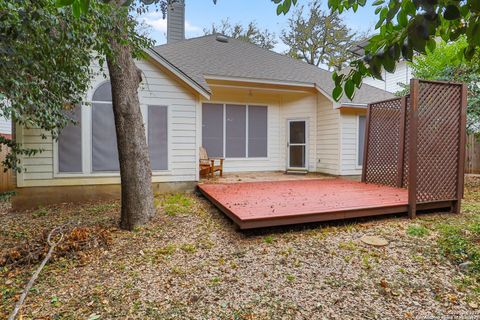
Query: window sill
105,174
247,159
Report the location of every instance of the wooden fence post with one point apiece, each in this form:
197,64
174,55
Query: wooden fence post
401,143
461,150
412,152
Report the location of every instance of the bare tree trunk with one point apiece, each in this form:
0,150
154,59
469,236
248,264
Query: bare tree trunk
135,170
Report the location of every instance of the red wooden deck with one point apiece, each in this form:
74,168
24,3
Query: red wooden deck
273,203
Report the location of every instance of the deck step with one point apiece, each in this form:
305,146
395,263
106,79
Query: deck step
296,172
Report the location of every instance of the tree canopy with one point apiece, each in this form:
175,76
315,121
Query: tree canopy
448,63
45,59
319,38
404,27
249,33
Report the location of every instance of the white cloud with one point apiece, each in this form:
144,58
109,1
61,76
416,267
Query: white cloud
156,21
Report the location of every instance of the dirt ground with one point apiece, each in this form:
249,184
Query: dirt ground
191,262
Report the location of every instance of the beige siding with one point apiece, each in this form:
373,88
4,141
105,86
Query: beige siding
157,89
349,142
328,136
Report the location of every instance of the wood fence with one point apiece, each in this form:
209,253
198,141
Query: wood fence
472,159
7,178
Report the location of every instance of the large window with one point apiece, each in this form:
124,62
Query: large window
70,143
361,139
100,139
158,137
104,136
212,129
234,130
257,131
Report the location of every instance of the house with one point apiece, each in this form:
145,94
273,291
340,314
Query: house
261,110
391,81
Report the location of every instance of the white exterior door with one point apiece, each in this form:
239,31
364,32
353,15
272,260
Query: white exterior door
297,144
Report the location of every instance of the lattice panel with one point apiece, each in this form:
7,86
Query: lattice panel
438,137
383,142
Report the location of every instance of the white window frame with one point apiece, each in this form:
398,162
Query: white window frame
86,128
357,138
224,104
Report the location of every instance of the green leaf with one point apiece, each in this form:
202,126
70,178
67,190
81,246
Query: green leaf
84,4
76,9
349,89
63,3
286,6
402,18
469,52
337,93
431,45
357,79
410,8
451,12
279,9
388,63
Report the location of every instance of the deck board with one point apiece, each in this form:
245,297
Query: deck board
270,203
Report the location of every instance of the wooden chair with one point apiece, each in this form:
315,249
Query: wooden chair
208,166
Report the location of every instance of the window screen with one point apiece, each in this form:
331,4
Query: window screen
104,138
361,139
158,137
103,92
257,131
70,144
236,131
212,129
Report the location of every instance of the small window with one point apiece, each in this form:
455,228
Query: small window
158,137
70,143
361,139
212,129
236,131
104,136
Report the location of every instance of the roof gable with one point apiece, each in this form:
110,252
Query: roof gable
202,57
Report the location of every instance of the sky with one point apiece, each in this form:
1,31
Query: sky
200,14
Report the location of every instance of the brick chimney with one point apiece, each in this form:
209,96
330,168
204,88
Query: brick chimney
176,21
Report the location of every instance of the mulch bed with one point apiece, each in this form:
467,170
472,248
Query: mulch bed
195,264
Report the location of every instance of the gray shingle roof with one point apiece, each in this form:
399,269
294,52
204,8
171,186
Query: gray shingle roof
198,57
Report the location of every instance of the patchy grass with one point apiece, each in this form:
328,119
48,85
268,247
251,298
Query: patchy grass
460,243
177,204
190,262
6,196
189,248
269,239
416,230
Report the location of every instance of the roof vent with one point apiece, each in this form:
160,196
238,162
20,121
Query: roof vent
222,38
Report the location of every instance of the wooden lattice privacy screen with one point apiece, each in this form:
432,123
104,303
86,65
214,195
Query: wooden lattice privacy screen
418,142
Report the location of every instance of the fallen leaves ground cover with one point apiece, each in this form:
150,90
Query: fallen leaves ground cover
191,262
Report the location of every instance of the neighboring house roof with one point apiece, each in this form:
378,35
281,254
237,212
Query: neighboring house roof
206,57
359,48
